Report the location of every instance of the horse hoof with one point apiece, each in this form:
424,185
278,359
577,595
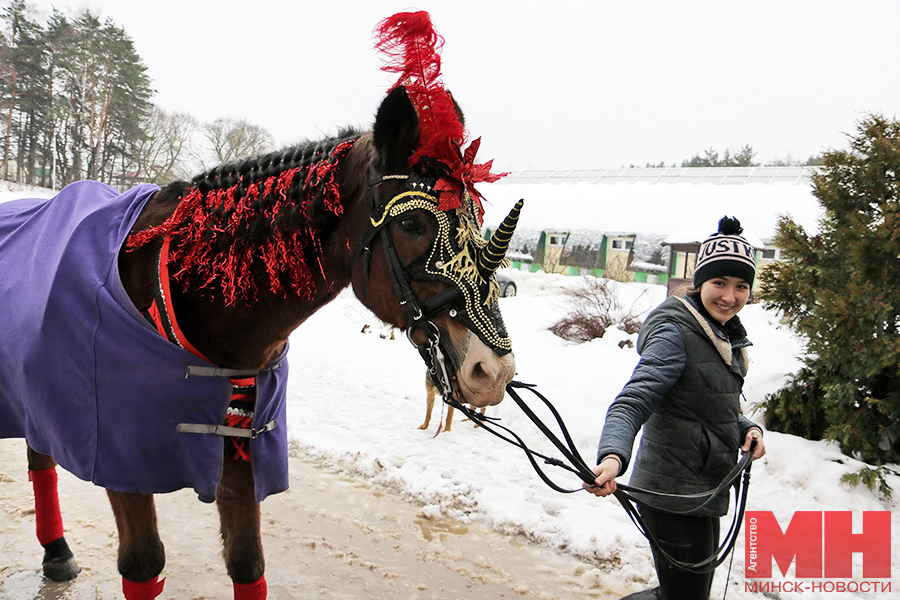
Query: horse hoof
59,562
61,569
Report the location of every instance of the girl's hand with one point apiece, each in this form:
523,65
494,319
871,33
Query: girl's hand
754,433
606,473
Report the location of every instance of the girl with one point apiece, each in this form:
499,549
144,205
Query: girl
685,392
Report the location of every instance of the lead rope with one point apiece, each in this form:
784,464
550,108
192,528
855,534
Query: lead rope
728,577
624,494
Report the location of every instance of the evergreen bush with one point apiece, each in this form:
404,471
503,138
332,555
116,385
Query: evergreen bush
840,289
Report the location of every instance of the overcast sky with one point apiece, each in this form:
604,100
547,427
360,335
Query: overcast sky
555,85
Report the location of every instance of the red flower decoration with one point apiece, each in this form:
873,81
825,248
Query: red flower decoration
464,174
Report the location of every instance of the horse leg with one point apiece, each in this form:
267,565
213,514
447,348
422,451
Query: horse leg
142,555
239,518
59,562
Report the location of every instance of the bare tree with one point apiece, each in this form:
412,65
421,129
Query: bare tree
594,308
232,139
160,156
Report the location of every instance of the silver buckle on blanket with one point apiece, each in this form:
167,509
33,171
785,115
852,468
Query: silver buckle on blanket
226,431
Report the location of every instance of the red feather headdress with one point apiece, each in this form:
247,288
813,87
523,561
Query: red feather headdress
412,46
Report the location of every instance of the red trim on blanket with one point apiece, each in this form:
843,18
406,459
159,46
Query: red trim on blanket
156,319
167,297
243,389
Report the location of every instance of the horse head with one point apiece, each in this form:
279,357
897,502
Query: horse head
262,243
427,269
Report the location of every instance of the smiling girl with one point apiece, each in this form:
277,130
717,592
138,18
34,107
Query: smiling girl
685,392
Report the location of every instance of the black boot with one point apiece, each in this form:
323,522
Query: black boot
644,595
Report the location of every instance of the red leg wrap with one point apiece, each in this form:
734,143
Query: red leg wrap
46,505
142,590
251,591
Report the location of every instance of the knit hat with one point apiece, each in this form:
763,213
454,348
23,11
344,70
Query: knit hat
725,253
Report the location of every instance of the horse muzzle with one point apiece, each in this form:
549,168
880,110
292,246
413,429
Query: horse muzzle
461,364
481,381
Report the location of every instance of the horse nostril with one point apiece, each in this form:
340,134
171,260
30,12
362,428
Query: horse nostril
480,373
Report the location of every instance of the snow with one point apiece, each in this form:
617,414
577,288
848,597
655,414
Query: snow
356,400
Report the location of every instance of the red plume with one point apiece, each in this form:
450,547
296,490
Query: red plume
412,46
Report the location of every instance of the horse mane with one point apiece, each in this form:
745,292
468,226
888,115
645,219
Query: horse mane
267,214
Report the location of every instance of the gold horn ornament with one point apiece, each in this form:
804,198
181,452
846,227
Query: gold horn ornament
494,252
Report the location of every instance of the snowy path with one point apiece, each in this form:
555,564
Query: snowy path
329,536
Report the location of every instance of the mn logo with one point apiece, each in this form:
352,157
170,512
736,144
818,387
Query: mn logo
820,543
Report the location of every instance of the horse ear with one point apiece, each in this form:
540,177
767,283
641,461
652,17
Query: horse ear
459,112
396,132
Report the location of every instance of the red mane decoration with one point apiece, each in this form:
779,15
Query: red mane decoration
412,46
290,258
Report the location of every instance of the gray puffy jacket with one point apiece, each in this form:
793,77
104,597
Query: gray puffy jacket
685,391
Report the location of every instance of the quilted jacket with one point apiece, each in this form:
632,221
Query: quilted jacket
685,392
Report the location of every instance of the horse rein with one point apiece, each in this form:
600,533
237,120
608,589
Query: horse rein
626,495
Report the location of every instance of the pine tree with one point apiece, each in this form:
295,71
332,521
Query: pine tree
840,289
742,158
17,63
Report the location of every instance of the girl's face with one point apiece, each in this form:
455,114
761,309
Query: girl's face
723,297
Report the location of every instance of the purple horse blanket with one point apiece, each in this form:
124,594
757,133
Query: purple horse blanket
85,378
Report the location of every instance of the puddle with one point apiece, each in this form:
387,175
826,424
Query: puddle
439,529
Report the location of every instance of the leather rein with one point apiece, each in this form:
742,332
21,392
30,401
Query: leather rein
627,496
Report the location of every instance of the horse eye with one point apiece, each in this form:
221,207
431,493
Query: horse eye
410,225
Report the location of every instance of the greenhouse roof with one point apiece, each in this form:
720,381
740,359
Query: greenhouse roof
712,175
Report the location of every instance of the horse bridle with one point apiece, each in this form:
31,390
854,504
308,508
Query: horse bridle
419,314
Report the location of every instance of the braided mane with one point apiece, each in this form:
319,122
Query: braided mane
260,214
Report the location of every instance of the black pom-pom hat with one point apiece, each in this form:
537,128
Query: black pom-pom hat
725,254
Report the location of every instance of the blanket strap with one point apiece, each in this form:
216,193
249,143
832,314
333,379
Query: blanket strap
201,371
225,430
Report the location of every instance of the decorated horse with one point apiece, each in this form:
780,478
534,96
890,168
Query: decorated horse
144,335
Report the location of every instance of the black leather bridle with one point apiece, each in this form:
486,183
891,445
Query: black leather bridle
419,314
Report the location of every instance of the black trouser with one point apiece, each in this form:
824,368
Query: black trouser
688,539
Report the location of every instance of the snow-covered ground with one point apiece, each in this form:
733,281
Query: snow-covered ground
356,401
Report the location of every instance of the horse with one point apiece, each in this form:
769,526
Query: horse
218,272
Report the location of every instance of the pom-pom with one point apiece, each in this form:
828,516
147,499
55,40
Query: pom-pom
730,226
